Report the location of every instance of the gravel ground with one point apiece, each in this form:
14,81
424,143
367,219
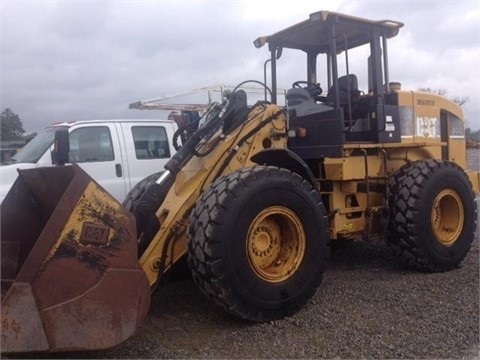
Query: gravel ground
369,306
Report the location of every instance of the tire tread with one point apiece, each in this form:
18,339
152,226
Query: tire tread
404,196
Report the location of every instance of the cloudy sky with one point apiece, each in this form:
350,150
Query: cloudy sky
73,60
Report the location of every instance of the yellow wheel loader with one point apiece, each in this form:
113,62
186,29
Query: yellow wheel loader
253,198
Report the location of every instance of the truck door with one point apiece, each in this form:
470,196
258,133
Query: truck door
147,148
96,149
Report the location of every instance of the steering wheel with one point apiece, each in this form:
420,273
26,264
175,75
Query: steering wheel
314,89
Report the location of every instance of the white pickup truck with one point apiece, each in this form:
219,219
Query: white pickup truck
116,153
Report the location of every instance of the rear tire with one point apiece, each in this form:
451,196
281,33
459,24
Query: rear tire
432,215
259,243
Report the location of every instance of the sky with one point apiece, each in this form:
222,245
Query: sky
74,60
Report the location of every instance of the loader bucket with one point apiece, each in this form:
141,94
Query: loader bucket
70,274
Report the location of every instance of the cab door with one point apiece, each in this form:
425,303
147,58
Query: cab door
96,149
147,148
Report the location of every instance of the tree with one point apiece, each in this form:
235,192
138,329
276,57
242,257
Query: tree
11,126
460,101
439,91
472,135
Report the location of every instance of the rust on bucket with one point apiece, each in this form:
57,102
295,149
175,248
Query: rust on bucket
70,274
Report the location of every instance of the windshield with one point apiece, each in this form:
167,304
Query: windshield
35,148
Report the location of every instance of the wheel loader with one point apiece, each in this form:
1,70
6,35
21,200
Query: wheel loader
253,199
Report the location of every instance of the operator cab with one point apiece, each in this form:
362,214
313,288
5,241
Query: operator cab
321,123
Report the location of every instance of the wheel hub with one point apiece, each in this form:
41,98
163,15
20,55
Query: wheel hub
275,244
264,242
447,217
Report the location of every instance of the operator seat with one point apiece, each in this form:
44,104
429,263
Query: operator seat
346,83
348,95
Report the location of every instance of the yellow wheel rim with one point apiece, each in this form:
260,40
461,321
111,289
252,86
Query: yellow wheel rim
447,217
276,244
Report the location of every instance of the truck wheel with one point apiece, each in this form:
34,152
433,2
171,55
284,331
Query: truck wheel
432,215
145,223
258,242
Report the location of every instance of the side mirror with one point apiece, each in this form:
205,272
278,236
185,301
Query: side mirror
61,147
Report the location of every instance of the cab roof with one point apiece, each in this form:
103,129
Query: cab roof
313,35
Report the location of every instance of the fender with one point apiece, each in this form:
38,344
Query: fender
285,158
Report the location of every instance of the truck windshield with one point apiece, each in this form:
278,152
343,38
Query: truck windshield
35,148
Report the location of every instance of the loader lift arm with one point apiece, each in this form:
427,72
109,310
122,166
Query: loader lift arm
227,142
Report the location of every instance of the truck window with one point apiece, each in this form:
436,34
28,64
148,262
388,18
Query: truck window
34,150
91,144
151,142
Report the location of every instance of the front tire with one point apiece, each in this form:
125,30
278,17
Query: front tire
258,242
432,215
143,208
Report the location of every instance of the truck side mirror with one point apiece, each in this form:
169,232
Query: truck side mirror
61,147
